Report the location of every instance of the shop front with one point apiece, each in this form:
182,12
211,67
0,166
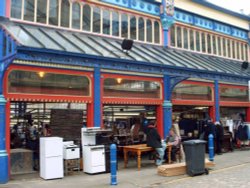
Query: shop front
43,102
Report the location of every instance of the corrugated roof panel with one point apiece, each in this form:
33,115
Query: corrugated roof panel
43,38
22,36
69,41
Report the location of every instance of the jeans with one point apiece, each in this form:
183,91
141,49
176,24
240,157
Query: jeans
161,152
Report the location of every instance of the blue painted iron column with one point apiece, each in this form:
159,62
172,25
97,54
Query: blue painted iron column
217,100
3,8
97,97
167,19
4,172
167,106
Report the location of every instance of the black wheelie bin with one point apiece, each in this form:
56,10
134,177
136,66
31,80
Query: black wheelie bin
195,157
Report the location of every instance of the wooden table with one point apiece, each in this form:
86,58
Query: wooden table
138,149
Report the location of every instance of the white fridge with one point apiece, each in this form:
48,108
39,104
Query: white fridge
51,157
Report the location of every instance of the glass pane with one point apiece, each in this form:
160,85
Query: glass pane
115,24
198,48
149,31
203,42
86,18
124,26
106,22
41,11
185,38
16,9
192,92
141,29
214,45
233,48
219,45
246,51
209,43
242,51
4,46
238,50
179,42
191,33
53,12
47,83
229,48
224,47
28,10
157,32
65,13
233,94
96,20
76,14
125,88
133,27
172,35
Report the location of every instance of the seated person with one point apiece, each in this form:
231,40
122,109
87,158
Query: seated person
154,141
173,140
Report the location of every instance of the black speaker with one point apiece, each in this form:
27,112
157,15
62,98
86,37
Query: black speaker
244,65
127,44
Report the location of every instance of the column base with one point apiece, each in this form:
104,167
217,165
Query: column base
4,164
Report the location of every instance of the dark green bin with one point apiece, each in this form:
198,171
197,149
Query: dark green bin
195,157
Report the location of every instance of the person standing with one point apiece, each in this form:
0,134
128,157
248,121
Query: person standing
144,121
219,137
154,141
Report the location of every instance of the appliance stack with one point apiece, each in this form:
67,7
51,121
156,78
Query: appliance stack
93,150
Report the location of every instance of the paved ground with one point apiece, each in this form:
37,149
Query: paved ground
232,170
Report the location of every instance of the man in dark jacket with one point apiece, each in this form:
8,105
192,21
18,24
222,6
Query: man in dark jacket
154,141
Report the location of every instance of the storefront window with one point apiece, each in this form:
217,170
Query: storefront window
124,26
41,11
106,22
96,20
132,27
115,24
125,88
86,18
27,82
149,31
28,10
192,92
16,9
233,94
141,29
76,15
53,12
65,13
157,32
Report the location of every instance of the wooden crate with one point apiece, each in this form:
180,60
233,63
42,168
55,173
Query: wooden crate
178,168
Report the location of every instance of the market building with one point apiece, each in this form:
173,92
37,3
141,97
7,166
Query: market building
103,62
